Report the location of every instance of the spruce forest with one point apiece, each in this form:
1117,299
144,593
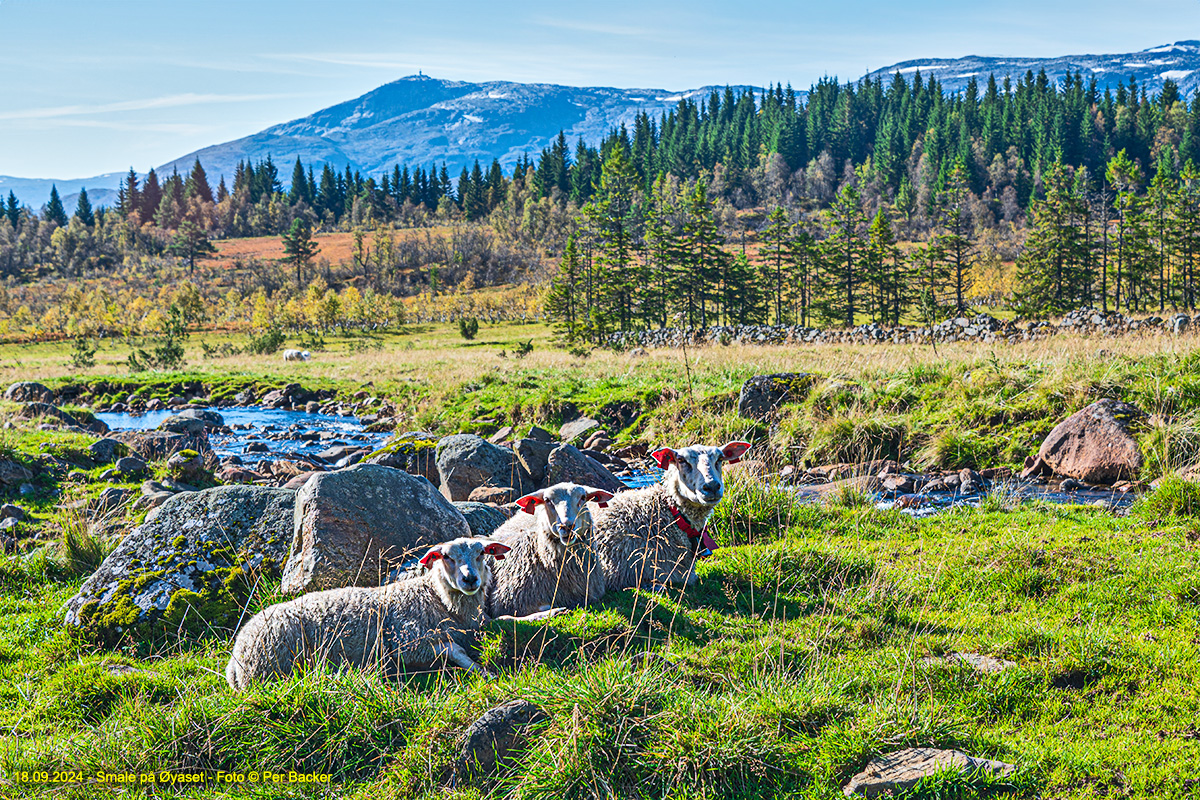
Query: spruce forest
898,203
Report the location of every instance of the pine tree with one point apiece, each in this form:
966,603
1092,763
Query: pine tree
299,248
54,209
704,259
151,197
776,239
83,209
661,250
955,240
1052,267
191,242
563,302
1185,223
883,270
197,184
299,188
843,256
129,198
12,211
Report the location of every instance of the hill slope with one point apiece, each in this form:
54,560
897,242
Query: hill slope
1179,62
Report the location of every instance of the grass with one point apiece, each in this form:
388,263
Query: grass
796,658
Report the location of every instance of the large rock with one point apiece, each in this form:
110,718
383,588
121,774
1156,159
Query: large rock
1093,445
533,454
762,395
412,451
499,735
107,450
211,419
465,461
155,445
482,518
46,411
28,391
353,526
190,565
886,775
576,428
13,474
566,463
180,424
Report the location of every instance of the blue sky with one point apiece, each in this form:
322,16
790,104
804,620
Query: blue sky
99,86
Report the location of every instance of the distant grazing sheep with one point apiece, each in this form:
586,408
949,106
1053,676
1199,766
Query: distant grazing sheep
552,565
653,536
400,627
296,355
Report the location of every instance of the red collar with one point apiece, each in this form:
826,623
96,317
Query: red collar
704,543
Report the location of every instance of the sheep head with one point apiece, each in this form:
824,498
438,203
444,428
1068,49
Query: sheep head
694,473
562,511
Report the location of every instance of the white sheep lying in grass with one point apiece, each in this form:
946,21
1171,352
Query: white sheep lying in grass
296,355
653,536
551,565
400,627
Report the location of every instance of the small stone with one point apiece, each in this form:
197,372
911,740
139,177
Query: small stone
895,772
13,511
576,428
132,465
27,489
541,434
501,436
498,495
8,524
497,736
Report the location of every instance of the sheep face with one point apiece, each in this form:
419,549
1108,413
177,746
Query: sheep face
463,565
562,511
694,473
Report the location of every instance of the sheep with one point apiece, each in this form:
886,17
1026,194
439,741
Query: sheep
396,628
296,355
551,566
653,536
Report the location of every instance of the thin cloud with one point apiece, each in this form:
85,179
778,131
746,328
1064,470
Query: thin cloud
167,101
589,27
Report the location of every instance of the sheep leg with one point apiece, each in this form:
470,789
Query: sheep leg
455,653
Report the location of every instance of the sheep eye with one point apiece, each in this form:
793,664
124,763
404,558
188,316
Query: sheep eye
448,559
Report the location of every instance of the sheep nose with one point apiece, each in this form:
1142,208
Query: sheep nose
712,490
470,579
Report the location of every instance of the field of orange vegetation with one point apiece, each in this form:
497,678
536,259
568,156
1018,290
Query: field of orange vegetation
337,248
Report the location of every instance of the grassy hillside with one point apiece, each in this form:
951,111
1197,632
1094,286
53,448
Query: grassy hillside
813,641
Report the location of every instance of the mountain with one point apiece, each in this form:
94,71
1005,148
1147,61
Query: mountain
1179,62
421,120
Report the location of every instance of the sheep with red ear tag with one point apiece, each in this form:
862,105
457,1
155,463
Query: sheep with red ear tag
407,626
654,536
552,566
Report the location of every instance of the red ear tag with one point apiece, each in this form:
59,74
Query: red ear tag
664,457
602,505
528,503
497,550
733,460
430,557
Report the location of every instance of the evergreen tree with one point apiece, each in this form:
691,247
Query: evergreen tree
191,242
883,269
129,198
299,188
842,258
1052,267
151,197
83,209
54,209
12,211
299,248
955,240
776,239
563,302
197,184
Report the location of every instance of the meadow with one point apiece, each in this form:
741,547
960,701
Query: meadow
815,639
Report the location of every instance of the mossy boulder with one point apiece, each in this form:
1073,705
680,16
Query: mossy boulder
762,395
190,566
157,445
412,451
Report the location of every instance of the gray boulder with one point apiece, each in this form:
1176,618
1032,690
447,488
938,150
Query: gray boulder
533,455
177,423
13,474
466,461
577,427
190,566
352,526
892,773
566,463
132,465
45,411
412,451
107,450
13,511
482,518
211,419
493,740
187,466
1093,445
28,391
762,395
156,445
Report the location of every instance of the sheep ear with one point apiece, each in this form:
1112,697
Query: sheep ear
599,497
529,502
734,450
664,456
496,550
430,557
